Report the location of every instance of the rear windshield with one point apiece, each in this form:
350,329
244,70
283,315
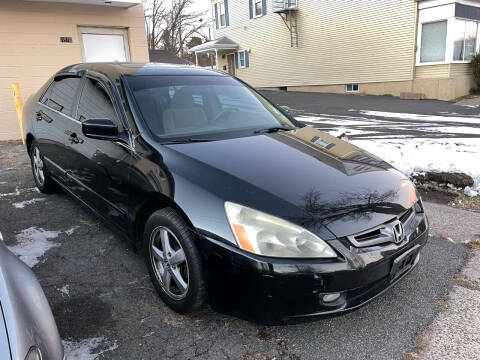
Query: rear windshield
176,107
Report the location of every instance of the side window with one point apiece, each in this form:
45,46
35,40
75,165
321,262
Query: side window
46,94
95,103
61,94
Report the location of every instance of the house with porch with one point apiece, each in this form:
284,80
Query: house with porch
39,37
409,48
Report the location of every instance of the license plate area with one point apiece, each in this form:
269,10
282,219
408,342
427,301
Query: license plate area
404,262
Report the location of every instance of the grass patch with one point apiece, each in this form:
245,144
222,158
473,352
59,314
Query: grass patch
443,305
475,243
464,282
420,343
465,97
467,203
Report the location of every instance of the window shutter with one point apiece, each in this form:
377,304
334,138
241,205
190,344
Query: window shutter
216,16
236,60
227,21
250,4
264,7
247,62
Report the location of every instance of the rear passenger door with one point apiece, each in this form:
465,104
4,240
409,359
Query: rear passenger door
53,117
98,169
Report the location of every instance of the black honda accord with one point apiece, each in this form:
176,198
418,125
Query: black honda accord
231,200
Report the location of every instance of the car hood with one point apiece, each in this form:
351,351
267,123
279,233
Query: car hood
311,178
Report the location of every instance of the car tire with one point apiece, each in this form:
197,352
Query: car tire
173,261
41,175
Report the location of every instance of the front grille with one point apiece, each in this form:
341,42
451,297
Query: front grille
385,233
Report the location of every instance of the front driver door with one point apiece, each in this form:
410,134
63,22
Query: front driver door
99,169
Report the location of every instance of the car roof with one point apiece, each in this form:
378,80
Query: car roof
115,70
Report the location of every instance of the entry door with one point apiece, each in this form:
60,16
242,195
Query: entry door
104,45
231,64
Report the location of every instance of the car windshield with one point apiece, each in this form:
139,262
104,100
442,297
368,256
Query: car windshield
194,107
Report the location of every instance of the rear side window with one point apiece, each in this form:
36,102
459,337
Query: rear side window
46,94
95,103
61,94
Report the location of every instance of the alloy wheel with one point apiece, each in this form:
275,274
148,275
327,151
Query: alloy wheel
38,167
169,262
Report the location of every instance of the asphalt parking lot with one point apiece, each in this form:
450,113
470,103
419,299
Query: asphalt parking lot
106,308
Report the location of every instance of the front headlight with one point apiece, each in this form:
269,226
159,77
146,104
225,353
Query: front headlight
419,206
267,235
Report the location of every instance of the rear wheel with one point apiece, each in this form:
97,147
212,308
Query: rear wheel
173,261
41,176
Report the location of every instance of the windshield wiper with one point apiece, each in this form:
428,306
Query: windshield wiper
273,130
186,141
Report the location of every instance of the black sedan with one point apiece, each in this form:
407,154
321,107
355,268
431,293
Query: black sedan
230,199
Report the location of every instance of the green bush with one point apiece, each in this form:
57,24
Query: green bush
476,69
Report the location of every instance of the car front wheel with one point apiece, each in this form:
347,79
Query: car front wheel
173,261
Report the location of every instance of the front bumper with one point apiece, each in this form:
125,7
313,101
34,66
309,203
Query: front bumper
270,290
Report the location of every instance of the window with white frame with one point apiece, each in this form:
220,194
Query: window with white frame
258,8
241,59
221,14
465,40
434,42
352,88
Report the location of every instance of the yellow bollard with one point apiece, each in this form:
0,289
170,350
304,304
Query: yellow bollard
19,106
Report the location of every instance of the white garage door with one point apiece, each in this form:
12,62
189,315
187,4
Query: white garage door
104,45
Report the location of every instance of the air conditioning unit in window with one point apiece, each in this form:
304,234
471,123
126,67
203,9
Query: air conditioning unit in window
279,6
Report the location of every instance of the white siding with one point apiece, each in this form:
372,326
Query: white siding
432,71
340,41
460,70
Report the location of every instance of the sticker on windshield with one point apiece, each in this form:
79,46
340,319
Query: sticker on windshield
323,143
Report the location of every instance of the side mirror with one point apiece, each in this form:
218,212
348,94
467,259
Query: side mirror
100,129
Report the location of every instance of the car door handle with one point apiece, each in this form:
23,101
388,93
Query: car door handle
74,139
40,115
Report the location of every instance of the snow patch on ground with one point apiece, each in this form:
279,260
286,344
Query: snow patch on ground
85,349
32,243
65,290
326,119
71,230
22,204
405,150
420,117
16,193
416,155
470,192
453,129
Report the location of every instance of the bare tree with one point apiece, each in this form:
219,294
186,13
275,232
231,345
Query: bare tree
171,26
155,12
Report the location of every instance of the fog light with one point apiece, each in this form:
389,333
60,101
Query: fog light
331,297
